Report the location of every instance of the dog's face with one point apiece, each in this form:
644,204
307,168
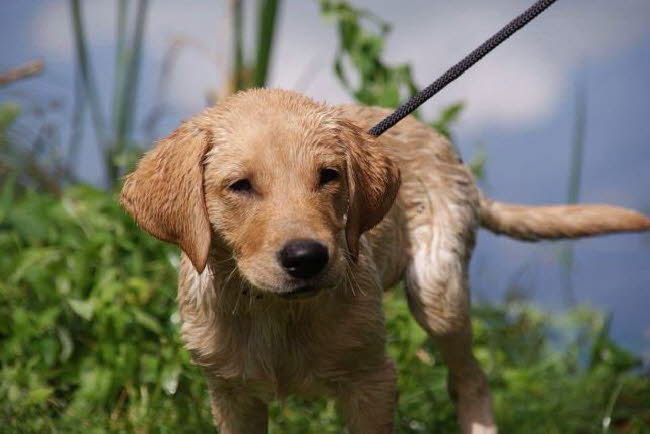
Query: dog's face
282,182
276,192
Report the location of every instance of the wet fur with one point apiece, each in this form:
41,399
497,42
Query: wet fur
404,208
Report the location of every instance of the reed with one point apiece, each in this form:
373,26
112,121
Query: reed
267,14
113,142
567,255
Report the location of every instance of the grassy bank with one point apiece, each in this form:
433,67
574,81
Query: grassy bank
89,342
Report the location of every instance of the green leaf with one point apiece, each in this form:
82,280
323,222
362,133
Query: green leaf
8,114
447,118
169,378
359,57
7,196
83,308
67,345
38,395
147,321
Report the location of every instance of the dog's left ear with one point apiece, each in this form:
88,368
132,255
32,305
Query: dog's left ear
164,194
373,181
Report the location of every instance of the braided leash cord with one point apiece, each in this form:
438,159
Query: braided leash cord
458,69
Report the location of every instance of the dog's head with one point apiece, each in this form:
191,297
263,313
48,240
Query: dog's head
285,184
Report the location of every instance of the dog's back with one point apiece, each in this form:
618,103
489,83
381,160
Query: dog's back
428,159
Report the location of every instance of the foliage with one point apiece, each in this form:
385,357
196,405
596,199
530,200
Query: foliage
114,142
8,114
90,342
360,67
37,163
566,254
377,83
117,143
447,117
89,331
247,73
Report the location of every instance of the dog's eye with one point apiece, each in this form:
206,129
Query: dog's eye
327,175
241,186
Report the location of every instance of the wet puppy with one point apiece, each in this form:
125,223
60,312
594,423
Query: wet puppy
293,221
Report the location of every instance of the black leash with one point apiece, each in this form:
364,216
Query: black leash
458,69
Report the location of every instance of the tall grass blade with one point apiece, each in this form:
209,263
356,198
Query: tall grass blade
266,30
157,108
573,190
237,73
119,88
87,76
135,61
120,64
76,124
577,150
127,76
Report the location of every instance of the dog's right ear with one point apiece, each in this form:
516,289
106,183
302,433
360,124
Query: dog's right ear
164,194
373,182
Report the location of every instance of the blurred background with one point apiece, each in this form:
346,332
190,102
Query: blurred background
557,114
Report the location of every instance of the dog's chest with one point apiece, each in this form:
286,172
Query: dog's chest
279,357
309,348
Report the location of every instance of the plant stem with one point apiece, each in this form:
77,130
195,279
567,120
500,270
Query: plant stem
135,61
238,45
573,190
120,60
577,151
76,127
87,77
21,72
266,30
127,75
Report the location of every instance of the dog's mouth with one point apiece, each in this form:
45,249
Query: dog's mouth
300,292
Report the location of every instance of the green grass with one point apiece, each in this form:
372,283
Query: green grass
90,343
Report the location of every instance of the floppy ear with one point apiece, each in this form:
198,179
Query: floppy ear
164,194
373,181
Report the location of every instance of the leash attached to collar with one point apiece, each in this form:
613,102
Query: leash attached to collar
458,69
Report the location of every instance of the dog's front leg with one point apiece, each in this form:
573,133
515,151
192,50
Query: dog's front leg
236,410
368,402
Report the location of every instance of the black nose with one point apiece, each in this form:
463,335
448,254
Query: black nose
303,258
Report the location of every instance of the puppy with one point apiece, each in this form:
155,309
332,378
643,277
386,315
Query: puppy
293,221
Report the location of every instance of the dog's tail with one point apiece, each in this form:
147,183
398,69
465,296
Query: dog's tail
531,223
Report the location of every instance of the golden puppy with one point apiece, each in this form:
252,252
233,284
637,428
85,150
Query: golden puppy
293,221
